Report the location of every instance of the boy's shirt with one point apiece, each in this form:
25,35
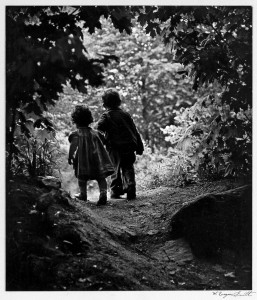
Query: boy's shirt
120,130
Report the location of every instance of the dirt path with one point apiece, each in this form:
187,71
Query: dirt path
124,245
144,228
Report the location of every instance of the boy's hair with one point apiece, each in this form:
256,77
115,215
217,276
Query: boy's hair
111,99
81,116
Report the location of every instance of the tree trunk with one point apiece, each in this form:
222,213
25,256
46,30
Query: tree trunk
145,114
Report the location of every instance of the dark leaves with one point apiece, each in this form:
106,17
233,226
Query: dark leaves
153,28
91,16
106,58
197,132
33,107
121,18
44,123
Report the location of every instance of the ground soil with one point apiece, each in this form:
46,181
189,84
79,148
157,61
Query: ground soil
124,246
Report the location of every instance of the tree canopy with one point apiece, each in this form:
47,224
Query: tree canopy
213,43
45,49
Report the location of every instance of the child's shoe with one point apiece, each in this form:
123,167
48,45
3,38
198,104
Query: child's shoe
131,193
80,196
114,195
102,199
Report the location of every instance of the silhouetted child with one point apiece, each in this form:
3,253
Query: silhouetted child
88,155
123,140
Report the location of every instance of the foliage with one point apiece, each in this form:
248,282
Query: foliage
216,138
45,50
35,158
35,149
152,105
145,76
213,44
158,168
149,60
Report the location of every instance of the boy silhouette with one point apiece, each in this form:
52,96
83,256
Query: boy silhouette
122,141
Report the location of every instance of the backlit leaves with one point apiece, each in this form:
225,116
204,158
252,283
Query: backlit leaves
45,51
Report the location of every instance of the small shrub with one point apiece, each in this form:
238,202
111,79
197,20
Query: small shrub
163,168
36,150
216,139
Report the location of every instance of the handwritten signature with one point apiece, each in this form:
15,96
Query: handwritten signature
234,294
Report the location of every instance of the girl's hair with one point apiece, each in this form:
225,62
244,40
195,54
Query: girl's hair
111,99
81,116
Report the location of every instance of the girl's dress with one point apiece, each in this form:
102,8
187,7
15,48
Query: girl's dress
91,160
